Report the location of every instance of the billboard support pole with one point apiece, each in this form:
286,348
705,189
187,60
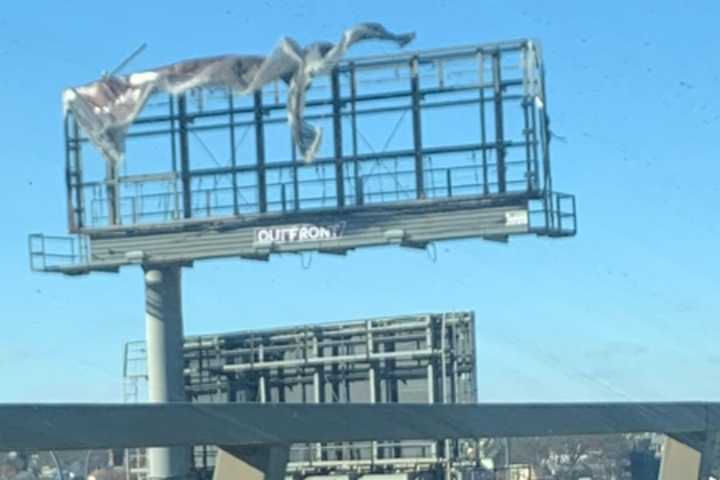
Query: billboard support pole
166,382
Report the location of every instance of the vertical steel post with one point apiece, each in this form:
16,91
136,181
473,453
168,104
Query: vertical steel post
68,177
296,185
134,210
335,376
499,122
185,177
164,337
281,386
430,367
335,389
74,176
173,158
528,155
260,152
533,77
417,129
431,376
316,394
208,201
526,102
359,191
111,189
233,154
455,382
483,134
534,144
443,378
353,123
371,381
337,131
545,132
391,381
262,386
173,147
544,121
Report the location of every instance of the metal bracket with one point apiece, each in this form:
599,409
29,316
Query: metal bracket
496,238
334,251
414,244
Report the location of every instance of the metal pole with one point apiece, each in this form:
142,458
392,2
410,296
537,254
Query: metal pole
499,122
371,381
233,155
112,193
261,385
164,336
534,144
417,128
353,123
296,186
337,135
185,176
74,215
173,157
316,397
78,177
483,134
260,152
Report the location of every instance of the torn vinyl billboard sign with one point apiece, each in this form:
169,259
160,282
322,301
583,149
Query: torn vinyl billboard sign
106,108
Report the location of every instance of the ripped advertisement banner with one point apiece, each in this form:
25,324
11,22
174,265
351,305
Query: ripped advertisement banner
107,107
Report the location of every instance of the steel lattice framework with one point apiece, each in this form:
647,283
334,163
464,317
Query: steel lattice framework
419,147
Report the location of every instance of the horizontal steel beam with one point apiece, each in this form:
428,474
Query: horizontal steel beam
360,357
433,54
41,427
416,222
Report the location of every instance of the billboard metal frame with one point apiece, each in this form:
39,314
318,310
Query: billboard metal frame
396,359
487,176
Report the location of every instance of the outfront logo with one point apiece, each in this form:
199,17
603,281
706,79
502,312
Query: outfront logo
305,232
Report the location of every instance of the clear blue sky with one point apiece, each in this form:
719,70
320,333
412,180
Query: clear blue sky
628,309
